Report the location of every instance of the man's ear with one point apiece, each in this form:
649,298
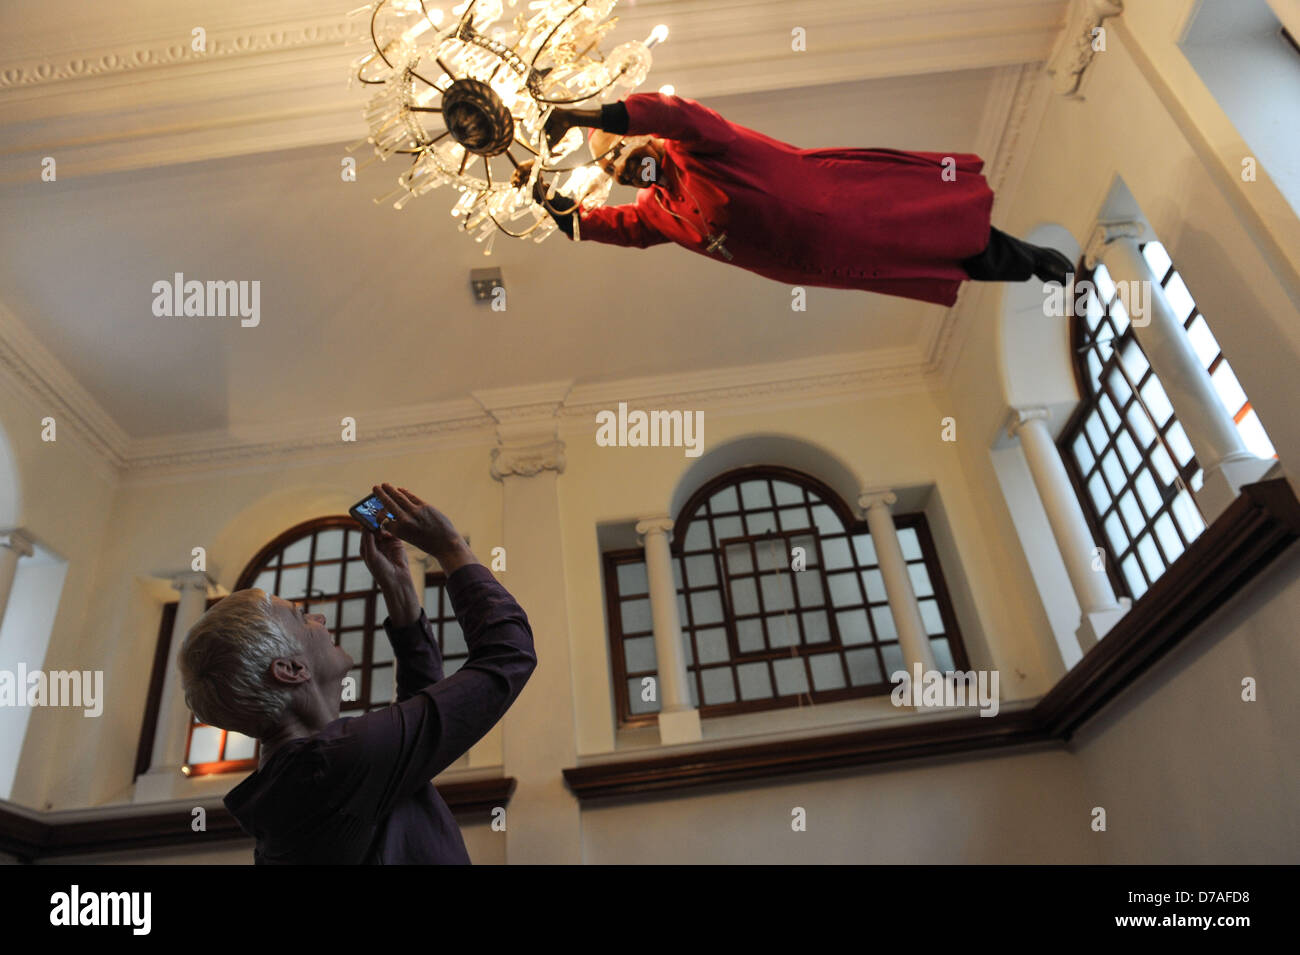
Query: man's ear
289,670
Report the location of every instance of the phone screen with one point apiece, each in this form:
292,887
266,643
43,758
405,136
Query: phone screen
370,512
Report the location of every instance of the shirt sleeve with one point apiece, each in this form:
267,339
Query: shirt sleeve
419,659
697,128
375,760
621,225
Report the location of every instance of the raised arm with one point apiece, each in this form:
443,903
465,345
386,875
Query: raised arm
693,126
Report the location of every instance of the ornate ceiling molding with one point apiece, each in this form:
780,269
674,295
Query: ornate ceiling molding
1075,46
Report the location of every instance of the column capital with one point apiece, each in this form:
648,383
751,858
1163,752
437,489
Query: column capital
18,541
879,497
1104,233
528,460
1019,417
191,579
655,525
1074,48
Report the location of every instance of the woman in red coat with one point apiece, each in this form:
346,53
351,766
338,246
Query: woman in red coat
911,224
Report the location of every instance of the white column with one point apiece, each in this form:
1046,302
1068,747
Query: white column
14,544
174,716
1214,437
679,721
912,638
1100,610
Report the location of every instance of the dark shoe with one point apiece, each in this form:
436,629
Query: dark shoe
1052,266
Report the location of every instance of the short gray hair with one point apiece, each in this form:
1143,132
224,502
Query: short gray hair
225,664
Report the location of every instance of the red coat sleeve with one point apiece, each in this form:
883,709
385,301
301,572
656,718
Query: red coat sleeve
697,128
620,225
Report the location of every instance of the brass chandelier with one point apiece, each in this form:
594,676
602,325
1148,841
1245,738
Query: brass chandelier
488,87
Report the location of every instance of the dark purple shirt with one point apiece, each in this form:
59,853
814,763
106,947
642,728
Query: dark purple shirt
359,791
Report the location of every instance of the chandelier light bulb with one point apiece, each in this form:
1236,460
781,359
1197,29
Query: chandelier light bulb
657,35
668,89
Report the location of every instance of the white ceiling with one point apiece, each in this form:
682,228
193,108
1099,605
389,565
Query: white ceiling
365,308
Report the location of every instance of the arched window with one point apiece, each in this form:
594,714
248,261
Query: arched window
1131,461
318,566
758,634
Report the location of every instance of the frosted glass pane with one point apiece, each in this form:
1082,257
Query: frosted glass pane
1094,369
205,745
754,494
327,578
782,631
794,518
865,548
453,639
1100,495
812,556
239,746
1132,514
921,585
1169,542
1153,393
293,583
382,649
1178,443
712,645
772,555
826,520
942,654
356,577
1097,433
816,627
1188,517
706,607
884,622
791,677
718,686
755,683
1203,341
1115,533
1119,317
329,545
1256,438
381,685
1164,466
639,654
702,570
1115,476
778,593
809,586
1137,584
787,493
864,667
299,552
763,522
1148,493
835,553
1229,389
874,583
749,635
1128,451
893,657
1109,413
931,617
1146,548
1135,362
353,644
1082,453
739,559
844,590
1157,258
265,581
1141,424
827,673
697,536
853,627
1179,298
1102,280
1094,310
635,615
632,579
725,528
723,501
744,596
910,543
354,543
1118,386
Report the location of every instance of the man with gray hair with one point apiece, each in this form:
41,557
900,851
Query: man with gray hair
357,789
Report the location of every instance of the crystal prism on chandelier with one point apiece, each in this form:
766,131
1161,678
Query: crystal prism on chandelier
466,95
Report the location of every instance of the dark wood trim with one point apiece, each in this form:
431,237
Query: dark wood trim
1262,523
31,839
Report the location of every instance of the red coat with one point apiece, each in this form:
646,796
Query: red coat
881,220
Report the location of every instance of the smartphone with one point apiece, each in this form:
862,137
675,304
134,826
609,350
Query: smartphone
369,511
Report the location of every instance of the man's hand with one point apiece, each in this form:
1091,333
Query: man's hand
522,172
424,526
385,557
557,125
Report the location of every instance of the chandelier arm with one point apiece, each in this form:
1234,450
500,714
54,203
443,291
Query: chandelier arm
580,99
373,38
532,66
514,235
487,168
463,161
